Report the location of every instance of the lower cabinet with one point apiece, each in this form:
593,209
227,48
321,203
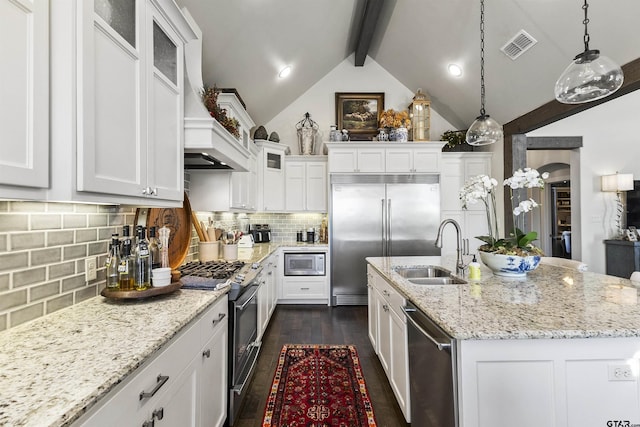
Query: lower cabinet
388,335
267,293
185,384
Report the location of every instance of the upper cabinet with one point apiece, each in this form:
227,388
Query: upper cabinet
306,183
376,157
117,84
271,173
24,91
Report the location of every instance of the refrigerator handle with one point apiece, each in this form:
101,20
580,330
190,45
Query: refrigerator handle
389,239
384,229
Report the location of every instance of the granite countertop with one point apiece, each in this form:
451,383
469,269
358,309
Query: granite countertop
551,302
54,368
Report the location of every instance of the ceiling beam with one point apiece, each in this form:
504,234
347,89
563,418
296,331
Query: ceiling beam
368,27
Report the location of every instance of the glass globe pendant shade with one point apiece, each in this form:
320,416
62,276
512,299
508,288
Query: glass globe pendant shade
483,131
589,77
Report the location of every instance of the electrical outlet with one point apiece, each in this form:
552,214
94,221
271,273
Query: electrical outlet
621,373
90,267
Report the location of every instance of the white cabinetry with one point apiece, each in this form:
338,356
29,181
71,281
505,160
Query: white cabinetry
267,293
412,160
388,335
573,382
361,157
356,159
117,101
24,91
221,191
184,384
306,184
271,164
456,169
304,289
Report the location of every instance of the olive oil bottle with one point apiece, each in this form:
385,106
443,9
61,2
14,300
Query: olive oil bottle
126,269
142,276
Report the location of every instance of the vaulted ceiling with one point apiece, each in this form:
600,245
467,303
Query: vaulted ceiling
246,43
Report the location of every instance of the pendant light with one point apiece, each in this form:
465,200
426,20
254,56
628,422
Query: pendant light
484,130
590,76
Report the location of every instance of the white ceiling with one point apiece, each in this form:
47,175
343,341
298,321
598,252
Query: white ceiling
246,43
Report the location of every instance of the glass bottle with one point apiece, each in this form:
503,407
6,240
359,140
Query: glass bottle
126,267
142,275
125,237
112,263
154,249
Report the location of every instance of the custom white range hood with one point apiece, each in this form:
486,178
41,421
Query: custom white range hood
202,133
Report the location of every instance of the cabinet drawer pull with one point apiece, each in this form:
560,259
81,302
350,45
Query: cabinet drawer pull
304,289
220,317
158,413
206,353
160,382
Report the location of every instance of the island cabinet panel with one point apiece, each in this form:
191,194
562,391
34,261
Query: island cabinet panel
548,382
388,335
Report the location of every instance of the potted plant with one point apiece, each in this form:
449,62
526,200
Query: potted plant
456,141
514,255
210,100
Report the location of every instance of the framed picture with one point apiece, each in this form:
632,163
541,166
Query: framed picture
359,112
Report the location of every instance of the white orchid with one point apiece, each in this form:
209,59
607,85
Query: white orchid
481,187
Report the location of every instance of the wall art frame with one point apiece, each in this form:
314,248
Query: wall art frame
359,113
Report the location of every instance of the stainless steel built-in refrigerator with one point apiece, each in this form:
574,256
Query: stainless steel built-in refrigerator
378,215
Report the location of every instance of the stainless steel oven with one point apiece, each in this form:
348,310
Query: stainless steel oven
244,346
305,263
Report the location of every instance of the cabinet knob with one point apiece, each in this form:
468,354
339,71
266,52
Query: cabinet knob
385,307
154,192
206,353
145,191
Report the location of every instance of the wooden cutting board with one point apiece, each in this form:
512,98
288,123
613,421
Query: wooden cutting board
178,220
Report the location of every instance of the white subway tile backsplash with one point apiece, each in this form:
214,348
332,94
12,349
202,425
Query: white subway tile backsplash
86,235
72,283
3,322
13,299
27,207
74,221
46,256
98,220
86,293
73,252
5,280
60,270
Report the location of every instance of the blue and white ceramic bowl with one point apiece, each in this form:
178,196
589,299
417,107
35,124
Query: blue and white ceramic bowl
509,265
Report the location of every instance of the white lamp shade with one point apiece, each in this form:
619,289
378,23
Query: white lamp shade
617,182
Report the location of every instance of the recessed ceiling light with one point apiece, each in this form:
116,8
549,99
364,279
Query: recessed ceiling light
455,70
285,72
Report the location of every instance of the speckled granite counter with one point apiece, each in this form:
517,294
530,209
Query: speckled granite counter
552,302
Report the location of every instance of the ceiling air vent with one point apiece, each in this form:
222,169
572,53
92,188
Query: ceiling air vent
518,45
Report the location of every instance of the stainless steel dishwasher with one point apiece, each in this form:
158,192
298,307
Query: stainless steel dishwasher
432,372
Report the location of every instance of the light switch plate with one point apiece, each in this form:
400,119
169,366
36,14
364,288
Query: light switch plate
90,267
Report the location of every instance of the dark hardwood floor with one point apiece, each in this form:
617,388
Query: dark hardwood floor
314,324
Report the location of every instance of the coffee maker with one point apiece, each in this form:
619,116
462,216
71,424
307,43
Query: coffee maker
261,233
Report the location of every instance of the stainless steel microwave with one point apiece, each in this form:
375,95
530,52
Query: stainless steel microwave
305,263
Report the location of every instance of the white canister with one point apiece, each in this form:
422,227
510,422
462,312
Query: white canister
208,251
230,252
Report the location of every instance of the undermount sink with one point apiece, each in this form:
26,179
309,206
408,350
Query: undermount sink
428,275
436,281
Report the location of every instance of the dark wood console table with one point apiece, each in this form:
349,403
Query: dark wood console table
623,257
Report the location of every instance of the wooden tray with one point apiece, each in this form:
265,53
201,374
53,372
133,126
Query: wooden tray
178,220
174,286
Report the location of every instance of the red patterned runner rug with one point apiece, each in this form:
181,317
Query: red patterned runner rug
318,386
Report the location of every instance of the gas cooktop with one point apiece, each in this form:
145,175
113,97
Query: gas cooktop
211,269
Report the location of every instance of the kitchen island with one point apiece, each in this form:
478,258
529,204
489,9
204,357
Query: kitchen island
557,348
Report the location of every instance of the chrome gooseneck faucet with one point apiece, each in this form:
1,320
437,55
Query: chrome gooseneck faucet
459,249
